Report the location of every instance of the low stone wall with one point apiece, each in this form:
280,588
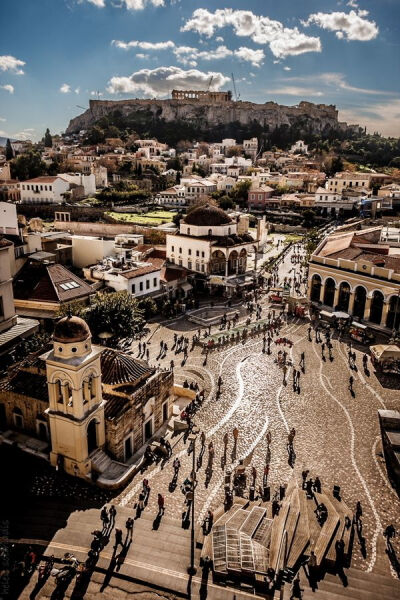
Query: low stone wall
111,230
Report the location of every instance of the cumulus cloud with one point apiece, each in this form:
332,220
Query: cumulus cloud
255,57
3,120
143,45
160,81
65,88
189,56
8,88
10,63
141,4
99,3
351,26
142,56
25,134
283,41
287,69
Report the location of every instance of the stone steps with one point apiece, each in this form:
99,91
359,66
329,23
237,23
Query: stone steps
361,586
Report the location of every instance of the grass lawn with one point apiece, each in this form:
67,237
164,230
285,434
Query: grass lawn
157,217
292,237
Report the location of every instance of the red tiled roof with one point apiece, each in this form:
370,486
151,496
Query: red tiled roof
44,179
140,271
170,274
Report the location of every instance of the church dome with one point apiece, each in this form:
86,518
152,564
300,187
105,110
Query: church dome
71,329
207,215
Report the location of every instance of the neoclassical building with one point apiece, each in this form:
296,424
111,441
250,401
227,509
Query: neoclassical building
94,406
354,272
209,244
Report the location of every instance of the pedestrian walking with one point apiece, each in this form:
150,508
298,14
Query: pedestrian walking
104,516
161,505
129,526
296,591
284,369
113,514
118,538
235,434
351,382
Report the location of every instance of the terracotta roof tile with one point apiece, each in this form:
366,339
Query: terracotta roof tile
118,368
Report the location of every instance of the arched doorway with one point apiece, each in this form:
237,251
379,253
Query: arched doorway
393,318
92,436
344,296
217,262
233,262
360,296
329,293
315,288
42,431
375,315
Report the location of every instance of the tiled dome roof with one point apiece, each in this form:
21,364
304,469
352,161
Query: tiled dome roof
118,368
207,215
71,329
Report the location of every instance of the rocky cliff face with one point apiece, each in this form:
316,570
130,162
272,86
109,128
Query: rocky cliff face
206,115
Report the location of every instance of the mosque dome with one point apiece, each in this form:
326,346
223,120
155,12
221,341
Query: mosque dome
207,215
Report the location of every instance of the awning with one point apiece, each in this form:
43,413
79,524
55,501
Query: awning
186,287
385,351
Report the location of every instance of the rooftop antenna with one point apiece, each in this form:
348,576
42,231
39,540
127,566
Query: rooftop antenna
210,82
82,107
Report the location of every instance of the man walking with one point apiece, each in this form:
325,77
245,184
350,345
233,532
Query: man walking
161,505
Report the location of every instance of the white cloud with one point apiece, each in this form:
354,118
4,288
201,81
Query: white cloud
283,41
65,88
287,69
255,57
10,63
351,26
3,120
382,117
142,56
143,45
338,81
25,134
99,3
96,93
77,90
141,4
8,88
289,90
219,38
160,81
352,3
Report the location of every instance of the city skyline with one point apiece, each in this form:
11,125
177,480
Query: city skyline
63,53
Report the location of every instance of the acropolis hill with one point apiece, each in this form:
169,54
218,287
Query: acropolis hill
206,110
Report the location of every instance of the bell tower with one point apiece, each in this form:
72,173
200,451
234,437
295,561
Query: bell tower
76,406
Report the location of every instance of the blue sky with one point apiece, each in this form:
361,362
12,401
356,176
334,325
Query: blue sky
57,54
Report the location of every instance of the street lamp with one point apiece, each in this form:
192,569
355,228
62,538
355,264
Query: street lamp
396,311
192,440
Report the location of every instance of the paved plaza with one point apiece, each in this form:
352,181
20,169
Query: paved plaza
337,438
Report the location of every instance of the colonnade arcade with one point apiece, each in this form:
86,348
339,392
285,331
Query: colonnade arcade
370,306
225,262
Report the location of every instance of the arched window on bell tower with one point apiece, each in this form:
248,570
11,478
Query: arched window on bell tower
58,391
68,394
89,389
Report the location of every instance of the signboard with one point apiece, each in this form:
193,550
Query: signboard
217,281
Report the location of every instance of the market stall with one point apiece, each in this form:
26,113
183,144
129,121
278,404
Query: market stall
386,358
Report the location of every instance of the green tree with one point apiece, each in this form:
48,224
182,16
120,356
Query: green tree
240,192
9,150
96,135
225,202
27,166
117,313
48,140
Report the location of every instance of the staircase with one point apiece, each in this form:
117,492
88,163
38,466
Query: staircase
361,586
107,468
